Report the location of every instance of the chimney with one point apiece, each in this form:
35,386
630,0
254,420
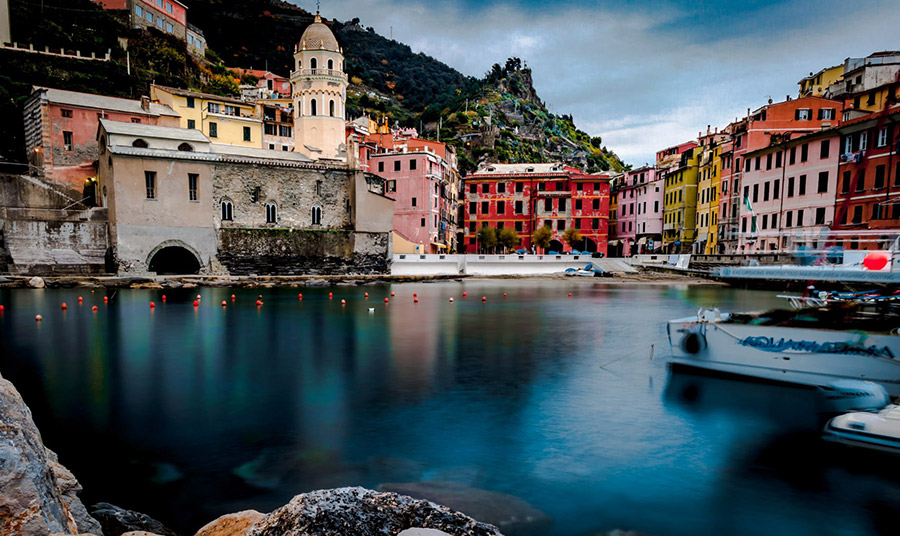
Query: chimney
145,103
707,130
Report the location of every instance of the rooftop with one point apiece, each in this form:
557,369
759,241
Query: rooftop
515,169
318,36
152,131
102,102
199,95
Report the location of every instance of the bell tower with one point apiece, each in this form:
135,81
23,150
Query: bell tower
319,92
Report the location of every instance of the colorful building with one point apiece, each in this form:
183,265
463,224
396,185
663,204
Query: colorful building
680,217
61,129
637,218
525,197
169,16
271,85
789,192
867,206
708,183
196,41
221,119
278,123
868,84
816,84
421,177
731,155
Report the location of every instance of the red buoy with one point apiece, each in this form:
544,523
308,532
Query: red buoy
163,297
464,294
386,300
64,306
330,295
105,299
414,294
343,302
94,308
570,294
80,299
415,300
259,303
196,303
504,294
232,297
484,298
300,296
152,305
367,294
224,303
392,293
1,308
38,318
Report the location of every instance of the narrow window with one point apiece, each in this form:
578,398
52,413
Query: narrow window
271,213
825,149
518,207
879,176
861,181
380,166
213,130
317,215
330,65
313,63
193,179
789,219
766,191
560,225
67,140
412,165
578,203
65,113
820,216
396,165
246,133
501,207
755,193
823,182
562,204
845,185
485,207
548,205
800,218
227,208
150,183
501,187
313,110
804,152
331,107
413,201
596,204
485,188
776,188
473,208
423,222
519,187
801,185
192,124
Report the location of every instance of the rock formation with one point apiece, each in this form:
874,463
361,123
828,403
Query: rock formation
116,521
363,512
38,496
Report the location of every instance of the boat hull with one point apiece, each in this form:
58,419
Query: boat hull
786,354
879,431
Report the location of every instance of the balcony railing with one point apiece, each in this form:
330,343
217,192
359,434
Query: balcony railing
322,72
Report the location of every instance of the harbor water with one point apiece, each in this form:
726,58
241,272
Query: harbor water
564,402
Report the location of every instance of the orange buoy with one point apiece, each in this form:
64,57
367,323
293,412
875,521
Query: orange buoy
105,299
152,305
232,297
392,293
343,302
259,303
80,299
64,306
484,298
415,300
464,294
224,303
367,294
94,308
38,318
196,303
451,299
386,300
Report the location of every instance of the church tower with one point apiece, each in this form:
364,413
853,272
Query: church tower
319,91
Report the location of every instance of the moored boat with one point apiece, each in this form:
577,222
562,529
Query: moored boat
880,431
812,346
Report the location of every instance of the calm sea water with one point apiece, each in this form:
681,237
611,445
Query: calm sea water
188,413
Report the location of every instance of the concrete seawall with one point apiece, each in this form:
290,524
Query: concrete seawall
499,265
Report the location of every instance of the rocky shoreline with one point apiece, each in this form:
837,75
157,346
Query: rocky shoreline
197,281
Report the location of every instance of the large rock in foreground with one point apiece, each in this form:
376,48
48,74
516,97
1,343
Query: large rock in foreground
38,496
237,524
363,512
117,521
514,516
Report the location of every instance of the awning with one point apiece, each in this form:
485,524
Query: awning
642,241
613,243
441,246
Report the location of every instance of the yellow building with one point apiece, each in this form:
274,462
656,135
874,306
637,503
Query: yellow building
680,217
815,84
708,183
221,119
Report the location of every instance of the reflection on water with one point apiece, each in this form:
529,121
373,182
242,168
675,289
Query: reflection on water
552,399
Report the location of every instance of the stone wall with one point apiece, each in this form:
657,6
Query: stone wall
277,251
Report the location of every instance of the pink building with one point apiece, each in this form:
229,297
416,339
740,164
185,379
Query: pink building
270,84
169,16
640,196
61,129
788,193
421,176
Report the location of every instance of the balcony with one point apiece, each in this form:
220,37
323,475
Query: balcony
321,72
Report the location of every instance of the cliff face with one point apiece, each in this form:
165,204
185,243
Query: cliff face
38,496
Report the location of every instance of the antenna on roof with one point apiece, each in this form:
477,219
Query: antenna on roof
318,2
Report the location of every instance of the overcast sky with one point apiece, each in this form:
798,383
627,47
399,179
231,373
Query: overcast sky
643,75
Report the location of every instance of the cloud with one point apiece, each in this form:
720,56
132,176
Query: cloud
643,75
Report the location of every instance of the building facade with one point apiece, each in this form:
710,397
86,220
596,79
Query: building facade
636,211
421,176
680,217
221,119
731,156
278,124
61,129
526,197
708,187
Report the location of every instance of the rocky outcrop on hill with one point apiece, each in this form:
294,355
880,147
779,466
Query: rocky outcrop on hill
364,512
38,496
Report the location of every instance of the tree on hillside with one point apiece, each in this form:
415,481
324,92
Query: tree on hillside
507,238
487,237
572,237
541,238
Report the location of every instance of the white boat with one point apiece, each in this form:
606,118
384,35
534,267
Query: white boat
813,346
880,431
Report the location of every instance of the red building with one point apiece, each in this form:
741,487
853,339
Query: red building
61,129
271,84
867,209
168,16
529,196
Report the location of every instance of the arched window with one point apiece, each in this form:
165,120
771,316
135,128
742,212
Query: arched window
331,107
271,213
312,107
317,215
139,143
330,65
227,210
313,63
185,147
